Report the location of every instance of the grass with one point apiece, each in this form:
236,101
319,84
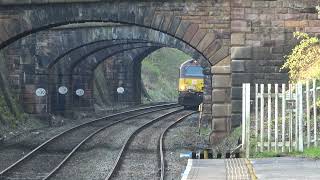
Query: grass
160,72
266,154
204,131
313,153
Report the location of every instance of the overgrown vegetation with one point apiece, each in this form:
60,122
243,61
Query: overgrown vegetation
229,143
10,110
304,61
160,72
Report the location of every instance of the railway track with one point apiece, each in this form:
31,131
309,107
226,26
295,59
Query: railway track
161,144
141,156
43,161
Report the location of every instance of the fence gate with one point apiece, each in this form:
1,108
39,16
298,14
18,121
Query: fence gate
279,118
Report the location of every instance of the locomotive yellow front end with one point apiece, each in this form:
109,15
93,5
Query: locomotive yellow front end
191,84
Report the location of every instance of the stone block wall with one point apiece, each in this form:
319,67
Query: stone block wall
261,35
244,41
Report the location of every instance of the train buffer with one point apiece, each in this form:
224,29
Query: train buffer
280,168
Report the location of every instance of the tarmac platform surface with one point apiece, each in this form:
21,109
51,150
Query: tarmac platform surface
281,168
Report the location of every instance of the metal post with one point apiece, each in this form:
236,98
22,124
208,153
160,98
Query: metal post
276,115
269,117
297,118
256,114
261,118
308,113
300,92
243,115
248,120
315,112
283,116
290,120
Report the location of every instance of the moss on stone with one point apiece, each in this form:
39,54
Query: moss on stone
10,108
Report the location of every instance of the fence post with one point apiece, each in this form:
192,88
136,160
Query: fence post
300,91
308,113
256,114
247,120
269,117
261,117
314,97
243,116
290,119
283,116
276,106
297,118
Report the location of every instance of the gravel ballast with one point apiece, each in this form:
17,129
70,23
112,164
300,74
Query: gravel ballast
96,157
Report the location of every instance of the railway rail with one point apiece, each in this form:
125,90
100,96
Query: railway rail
161,142
161,125
75,137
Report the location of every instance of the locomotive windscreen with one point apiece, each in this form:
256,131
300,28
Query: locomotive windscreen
195,71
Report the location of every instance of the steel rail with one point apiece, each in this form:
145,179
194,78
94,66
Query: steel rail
91,135
77,127
131,136
161,142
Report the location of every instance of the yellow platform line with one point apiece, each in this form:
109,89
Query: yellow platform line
251,169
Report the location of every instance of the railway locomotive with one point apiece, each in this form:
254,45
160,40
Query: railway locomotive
191,84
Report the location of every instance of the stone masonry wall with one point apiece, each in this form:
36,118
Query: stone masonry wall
202,25
251,35
261,34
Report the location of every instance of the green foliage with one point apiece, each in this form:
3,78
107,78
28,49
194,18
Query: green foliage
11,111
304,61
6,115
204,131
313,152
160,72
266,154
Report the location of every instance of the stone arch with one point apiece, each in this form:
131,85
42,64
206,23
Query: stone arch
206,45
100,34
147,34
66,78
128,75
88,63
144,14
143,34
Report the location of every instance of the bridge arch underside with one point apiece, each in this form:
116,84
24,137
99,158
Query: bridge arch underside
137,22
67,56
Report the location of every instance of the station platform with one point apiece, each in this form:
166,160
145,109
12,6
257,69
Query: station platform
284,168
208,169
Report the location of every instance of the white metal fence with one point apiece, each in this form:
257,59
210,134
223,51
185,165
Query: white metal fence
279,118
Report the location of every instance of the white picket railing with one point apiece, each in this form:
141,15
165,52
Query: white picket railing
281,117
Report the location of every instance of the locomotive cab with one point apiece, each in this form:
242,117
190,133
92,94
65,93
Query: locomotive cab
191,84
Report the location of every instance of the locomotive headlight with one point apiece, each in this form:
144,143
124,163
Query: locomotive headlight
183,87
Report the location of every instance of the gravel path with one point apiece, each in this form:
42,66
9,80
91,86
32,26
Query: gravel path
96,157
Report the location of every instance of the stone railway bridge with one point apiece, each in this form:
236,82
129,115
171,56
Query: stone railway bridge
53,43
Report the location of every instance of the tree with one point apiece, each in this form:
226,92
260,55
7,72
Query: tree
304,61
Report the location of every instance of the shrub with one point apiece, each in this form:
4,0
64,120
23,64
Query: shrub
304,61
